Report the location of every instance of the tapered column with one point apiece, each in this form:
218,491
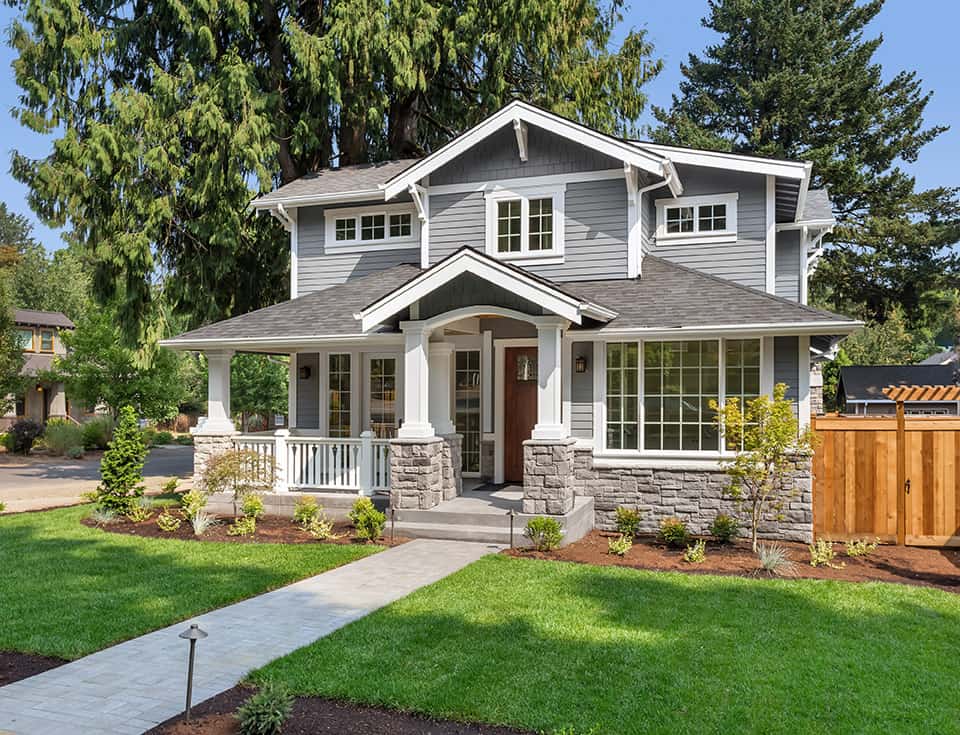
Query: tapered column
549,394
416,384
441,367
218,393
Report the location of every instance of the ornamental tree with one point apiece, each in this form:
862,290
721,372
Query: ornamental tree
765,437
121,469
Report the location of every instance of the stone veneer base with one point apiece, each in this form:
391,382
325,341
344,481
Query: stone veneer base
416,472
206,446
548,479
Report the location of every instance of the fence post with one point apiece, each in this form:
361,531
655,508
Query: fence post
280,460
366,463
901,475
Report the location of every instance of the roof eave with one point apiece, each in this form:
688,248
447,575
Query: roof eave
784,329
267,203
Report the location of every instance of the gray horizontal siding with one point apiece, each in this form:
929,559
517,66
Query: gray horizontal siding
317,269
497,157
786,366
581,393
595,228
743,261
788,265
308,392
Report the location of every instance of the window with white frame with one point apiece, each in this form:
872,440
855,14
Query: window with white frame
623,395
339,390
365,228
525,223
712,218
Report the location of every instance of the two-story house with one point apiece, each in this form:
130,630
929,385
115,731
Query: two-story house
540,305
39,334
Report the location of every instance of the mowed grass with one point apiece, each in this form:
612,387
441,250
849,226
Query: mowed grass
552,646
68,590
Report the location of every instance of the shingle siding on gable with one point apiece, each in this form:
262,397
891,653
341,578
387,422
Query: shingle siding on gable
317,270
788,265
743,261
497,158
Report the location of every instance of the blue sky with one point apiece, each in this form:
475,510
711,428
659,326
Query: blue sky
911,41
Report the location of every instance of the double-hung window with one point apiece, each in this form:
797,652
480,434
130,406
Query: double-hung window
525,223
361,229
697,219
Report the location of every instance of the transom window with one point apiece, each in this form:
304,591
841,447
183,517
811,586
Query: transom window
346,228
679,219
362,228
400,225
525,224
339,392
713,218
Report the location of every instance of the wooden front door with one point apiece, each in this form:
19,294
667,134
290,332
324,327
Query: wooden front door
519,407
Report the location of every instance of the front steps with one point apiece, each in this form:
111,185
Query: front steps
335,505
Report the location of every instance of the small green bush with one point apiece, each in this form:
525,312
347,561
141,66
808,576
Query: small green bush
724,528
61,436
161,438
137,513
673,532
184,440
620,545
97,432
697,553
102,516
170,486
121,469
545,533
168,522
193,502
628,522
861,547
305,510
320,527
367,520
822,554
775,559
75,452
244,526
266,711
22,435
252,506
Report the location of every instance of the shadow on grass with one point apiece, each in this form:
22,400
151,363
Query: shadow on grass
545,646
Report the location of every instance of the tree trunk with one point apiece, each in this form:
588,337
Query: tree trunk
404,126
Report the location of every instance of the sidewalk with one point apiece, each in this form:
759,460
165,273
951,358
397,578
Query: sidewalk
130,687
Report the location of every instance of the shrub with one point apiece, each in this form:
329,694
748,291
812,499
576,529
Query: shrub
161,438
545,533
22,435
822,554
149,434
305,510
168,522
238,471
137,513
628,522
367,520
320,527
265,712
697,553
61,436
252,506
3,507
193,502
97,432
673,532
102,516
861,547
725,528
775,560
244,526
75,452
170,486
121,469
184,440
202,522
620,545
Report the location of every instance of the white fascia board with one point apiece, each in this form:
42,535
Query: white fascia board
729,161
281,345
709,331
804,188
309,200
464,262
811,223
522,112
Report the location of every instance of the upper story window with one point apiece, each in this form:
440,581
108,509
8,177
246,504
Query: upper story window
697,219
46,340
366,228
525,223
25,338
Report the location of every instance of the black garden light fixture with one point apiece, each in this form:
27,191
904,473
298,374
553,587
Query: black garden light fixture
192,634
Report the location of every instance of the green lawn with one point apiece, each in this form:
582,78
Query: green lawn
68,590
550,646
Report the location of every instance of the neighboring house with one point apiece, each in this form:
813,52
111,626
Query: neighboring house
535,303
947,357
39,333
860,390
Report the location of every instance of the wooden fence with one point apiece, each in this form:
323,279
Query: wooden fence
894,478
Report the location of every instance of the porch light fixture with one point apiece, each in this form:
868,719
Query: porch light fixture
192,634
526,368
581,364
304,372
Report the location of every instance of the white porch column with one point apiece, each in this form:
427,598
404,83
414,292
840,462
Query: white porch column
549,392
416,383
218,393
440,369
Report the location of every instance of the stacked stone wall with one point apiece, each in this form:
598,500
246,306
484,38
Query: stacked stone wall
416,473
548,477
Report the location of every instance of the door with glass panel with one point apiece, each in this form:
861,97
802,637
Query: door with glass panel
467,410
382,395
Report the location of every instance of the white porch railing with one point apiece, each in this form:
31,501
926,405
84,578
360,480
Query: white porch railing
320,463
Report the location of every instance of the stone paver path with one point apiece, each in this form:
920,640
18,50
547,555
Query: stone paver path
133,686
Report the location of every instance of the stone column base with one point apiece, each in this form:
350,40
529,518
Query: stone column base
207,446
416,472
548,476
452,465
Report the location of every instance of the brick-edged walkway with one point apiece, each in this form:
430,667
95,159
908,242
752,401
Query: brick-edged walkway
132,686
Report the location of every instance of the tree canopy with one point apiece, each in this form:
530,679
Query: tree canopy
799,80
169,116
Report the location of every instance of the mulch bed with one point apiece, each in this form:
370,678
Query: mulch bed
317,715
270,529
901,564
15,666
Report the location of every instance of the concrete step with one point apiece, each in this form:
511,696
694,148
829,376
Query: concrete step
497,519
458,532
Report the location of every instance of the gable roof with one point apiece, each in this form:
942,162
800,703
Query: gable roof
817,207
866,382
35,318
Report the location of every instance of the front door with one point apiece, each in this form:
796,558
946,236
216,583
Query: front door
519,407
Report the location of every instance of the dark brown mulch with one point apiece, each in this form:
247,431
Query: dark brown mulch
15,666
313,715
270,529
901,564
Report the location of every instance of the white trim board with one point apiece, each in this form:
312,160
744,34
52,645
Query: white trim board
729,161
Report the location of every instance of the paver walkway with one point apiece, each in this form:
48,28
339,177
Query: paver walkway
133,686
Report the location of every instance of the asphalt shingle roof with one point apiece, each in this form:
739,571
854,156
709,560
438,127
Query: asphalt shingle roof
817,206
362,177
35,318
866,382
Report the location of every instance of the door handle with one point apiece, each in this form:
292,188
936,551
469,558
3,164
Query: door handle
906,486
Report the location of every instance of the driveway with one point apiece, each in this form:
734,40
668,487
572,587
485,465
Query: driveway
29,483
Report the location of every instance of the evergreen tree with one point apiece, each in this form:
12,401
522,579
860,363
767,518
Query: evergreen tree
11,352
166,113
121,469
797,79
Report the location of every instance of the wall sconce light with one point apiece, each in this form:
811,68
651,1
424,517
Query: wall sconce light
580,365
304,372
